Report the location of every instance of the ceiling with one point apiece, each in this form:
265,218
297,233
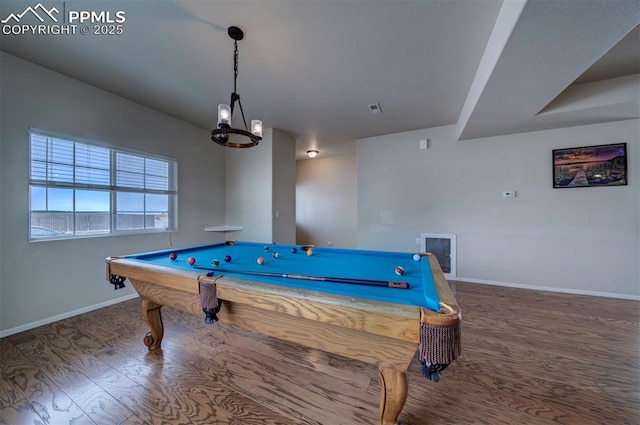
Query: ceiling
312,67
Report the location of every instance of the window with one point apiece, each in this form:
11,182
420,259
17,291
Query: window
80,189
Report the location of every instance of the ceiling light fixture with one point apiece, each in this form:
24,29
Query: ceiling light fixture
241,138
312,153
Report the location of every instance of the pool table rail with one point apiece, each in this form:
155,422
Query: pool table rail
449,313
390,320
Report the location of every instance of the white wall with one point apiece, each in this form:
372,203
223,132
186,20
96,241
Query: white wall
248,201
326,201
259,181
580,239
41,280
284,188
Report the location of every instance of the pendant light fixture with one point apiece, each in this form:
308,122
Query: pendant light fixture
225,134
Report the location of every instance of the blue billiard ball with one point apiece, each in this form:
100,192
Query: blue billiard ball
276,255
266,248
294,250
227,258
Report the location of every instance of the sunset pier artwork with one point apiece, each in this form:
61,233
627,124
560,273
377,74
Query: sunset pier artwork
603,165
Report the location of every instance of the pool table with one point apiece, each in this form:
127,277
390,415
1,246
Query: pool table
353,303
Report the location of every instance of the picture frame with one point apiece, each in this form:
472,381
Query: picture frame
590,166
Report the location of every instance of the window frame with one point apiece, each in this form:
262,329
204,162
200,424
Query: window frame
113,189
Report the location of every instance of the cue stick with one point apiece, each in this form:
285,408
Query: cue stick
381,283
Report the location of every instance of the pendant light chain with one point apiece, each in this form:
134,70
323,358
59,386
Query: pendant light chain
235,96
235,65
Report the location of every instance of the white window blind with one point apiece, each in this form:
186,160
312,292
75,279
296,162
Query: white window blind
82,189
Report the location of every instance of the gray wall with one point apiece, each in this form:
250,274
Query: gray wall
326,201
580,240
43,280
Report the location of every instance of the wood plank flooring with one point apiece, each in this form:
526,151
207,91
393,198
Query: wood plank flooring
529,357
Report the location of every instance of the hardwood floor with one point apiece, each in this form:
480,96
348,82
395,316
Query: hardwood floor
529,357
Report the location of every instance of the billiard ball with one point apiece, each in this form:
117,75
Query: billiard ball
416,257
276,255
227,258
266,248
173,256
260,260
309,252
215,262
191,260
294,250
399,270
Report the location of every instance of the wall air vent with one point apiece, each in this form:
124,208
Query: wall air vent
443,246
375,108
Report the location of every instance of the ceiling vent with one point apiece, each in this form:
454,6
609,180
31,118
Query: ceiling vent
375,108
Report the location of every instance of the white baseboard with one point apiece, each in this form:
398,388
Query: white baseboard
551,289
66,315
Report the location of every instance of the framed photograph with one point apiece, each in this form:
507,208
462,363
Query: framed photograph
590,166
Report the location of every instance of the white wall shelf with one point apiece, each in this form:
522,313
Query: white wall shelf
223,228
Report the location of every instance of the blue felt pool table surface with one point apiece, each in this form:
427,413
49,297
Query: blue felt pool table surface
325,261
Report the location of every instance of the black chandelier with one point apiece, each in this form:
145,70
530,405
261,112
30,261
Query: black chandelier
222,134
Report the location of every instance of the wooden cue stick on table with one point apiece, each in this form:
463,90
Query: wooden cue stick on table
382,283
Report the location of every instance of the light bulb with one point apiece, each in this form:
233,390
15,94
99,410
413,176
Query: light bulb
224,114
256,127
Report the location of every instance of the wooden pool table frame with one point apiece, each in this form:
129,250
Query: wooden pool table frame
383,334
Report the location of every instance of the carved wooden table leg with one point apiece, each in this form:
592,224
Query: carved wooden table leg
393,394
151,313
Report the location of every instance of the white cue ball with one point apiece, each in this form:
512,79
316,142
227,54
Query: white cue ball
416,257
